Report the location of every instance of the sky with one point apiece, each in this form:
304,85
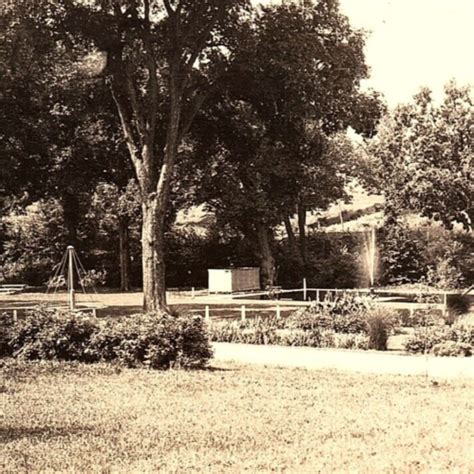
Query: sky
414,43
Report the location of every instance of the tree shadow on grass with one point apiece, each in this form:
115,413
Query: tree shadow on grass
42,433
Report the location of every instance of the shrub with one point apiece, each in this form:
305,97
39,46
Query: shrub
158,341
426,339
380,324
461,332
458,304
345,314
6,322
452,348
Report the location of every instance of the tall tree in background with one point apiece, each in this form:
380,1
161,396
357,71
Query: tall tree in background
59,128
26,54
116,209
424,155
294,82
162,59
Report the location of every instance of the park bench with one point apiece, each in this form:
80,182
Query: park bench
12,289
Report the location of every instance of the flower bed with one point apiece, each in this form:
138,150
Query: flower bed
347,322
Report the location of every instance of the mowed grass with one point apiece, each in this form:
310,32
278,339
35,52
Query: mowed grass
72,417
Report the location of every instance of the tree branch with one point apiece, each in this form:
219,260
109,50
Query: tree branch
201,42
150,123
196,105
169,8
127,131
135,103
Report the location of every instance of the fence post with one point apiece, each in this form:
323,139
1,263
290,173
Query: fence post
207,316
304,289
445,303
278,311
192,292
317,296
242,312
15,315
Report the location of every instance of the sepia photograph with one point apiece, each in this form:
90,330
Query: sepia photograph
236,236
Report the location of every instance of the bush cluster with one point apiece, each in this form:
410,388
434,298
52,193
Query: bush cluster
442,340
157,341
347,322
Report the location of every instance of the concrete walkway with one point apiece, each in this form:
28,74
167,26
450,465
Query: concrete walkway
371,362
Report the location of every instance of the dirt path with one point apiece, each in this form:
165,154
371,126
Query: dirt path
347,360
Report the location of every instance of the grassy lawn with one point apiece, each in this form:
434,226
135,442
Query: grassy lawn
81,418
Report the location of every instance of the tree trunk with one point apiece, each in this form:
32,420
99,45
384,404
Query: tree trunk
289,232
267,262
154,289
302,229
124,252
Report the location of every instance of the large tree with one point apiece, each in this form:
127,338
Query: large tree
424,157
294,83
162,59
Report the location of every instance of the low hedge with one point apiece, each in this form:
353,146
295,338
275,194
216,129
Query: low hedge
442,340
158,340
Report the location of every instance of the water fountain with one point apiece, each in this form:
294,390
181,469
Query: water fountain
371,254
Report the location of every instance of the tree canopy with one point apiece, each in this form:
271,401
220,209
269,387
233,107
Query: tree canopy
424,154
263,145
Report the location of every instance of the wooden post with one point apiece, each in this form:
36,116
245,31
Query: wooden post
192,292
15,315
445,303
242,312
278,311
317,296
94,312
207,316
304,289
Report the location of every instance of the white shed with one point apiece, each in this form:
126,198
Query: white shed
229,280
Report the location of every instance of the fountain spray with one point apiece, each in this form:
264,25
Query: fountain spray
371,254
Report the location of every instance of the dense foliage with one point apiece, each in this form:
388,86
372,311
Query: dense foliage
443,340
424,157
157,341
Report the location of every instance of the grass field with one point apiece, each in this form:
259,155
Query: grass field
66,417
